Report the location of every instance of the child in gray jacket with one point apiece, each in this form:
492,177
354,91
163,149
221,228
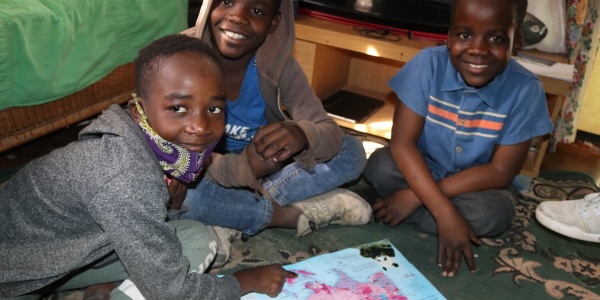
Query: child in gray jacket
96,210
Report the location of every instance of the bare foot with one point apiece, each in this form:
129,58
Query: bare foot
99,291
396,207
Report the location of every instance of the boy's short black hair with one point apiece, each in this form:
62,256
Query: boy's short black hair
519,8
151,56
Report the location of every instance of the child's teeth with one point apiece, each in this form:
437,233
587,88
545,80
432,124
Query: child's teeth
477,66
234,35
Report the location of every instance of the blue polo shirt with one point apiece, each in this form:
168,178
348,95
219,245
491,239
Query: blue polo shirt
244,115
462,123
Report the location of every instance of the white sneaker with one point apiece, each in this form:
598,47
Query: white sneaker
578,219
224,237
338,206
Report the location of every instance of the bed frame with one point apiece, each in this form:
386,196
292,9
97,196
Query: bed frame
19,125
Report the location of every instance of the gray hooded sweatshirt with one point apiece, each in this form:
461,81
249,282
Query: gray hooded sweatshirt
102,194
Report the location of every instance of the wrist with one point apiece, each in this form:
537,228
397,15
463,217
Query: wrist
443,210
246,281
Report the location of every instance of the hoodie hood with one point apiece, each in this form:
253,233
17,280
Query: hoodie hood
278,46
116,121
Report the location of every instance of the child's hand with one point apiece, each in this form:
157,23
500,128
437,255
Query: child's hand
177,191
279,141
454,241
267,279
260,167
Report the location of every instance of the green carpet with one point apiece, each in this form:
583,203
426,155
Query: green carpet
526,262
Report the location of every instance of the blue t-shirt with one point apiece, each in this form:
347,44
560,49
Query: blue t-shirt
245,115
463,124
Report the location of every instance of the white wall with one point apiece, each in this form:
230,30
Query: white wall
589,113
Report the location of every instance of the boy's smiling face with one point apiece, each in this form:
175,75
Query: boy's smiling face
186,102
481,39
239,27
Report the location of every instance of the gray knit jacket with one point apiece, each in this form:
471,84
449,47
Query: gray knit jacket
103,193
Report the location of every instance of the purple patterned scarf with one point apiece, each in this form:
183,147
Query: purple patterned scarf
180,163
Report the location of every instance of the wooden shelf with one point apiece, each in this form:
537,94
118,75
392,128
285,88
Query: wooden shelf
334,56
345,37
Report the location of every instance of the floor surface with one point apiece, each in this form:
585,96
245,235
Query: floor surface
582,156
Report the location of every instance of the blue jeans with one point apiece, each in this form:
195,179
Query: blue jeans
489,212
244,210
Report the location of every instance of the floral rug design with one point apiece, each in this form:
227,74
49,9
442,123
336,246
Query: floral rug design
561,186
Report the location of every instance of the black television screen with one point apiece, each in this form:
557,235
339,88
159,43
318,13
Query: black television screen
431,16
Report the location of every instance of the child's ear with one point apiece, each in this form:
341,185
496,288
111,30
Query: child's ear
133,112
275,22
517,44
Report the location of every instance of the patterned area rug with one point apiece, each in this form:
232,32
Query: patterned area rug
526,262
560,186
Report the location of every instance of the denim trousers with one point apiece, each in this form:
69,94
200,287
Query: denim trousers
243,209
489,212
197,243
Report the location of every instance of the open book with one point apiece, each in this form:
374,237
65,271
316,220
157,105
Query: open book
371,271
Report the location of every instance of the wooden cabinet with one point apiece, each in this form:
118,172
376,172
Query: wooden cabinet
334,56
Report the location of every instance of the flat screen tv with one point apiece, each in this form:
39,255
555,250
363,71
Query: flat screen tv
432,16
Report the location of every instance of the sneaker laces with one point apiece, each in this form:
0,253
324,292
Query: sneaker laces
312,228
315,239
590,200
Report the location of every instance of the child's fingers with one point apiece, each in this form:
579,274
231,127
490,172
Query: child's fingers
473,237
283,155
289,274
440,255
272,294
274,291
450,262
470,259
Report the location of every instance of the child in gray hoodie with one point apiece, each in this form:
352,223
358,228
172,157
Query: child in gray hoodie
96,210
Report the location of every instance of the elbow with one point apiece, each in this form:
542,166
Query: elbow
504,183
503,178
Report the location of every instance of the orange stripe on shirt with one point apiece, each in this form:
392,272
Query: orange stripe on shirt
485,124
443,113
491,125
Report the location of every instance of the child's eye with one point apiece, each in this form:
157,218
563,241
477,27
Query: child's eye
178,109
463,36
257,12
496,39
215,110
225,2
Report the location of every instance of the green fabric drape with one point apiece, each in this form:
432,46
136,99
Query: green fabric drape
52,48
